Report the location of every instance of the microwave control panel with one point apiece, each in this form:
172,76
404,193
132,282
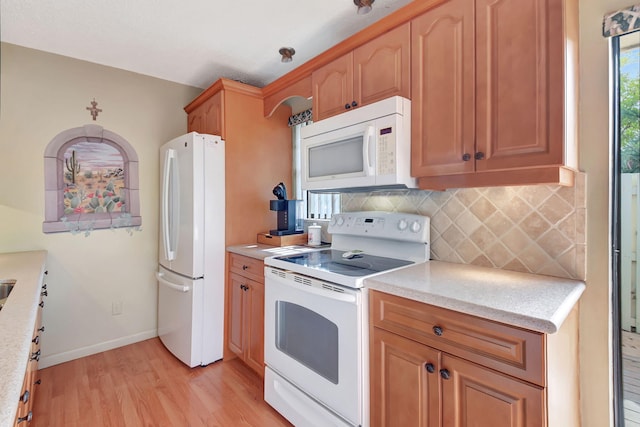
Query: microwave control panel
386,151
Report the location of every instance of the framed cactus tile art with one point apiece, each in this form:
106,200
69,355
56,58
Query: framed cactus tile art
94,179
91,182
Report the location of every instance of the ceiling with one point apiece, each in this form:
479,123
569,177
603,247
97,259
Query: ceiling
192,42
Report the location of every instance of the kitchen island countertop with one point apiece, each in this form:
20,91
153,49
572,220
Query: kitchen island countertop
17,319
530,301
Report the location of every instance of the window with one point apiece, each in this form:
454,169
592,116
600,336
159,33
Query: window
91,181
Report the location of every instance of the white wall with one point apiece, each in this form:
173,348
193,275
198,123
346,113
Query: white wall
41,95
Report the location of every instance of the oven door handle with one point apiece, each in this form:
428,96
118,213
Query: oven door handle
338,296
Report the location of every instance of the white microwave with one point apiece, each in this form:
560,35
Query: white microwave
363,149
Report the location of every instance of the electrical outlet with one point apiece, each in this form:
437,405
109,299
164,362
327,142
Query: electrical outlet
116,308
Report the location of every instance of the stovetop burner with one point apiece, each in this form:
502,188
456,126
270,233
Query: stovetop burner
333,261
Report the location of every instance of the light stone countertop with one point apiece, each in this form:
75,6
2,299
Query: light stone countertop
17,319
530,301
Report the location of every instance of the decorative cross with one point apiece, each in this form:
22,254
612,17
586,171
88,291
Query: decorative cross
94,110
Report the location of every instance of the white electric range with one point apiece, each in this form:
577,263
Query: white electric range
316,341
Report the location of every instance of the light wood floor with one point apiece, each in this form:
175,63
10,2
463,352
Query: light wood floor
631,378
144,385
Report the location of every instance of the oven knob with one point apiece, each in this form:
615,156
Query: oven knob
333,220
402,225
415,227
340,221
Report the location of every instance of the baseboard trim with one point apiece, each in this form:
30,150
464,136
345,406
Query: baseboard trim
55,359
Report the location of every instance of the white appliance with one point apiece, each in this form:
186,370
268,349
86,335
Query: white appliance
192,248
316,338
366,147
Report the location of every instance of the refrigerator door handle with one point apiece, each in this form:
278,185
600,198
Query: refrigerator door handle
168,170
174,286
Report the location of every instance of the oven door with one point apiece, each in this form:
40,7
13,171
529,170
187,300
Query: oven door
314,340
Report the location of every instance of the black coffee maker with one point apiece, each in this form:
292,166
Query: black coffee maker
286,212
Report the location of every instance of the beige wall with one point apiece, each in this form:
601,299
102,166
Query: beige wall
595,336
41,95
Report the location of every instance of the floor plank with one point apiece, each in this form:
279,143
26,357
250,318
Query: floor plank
144,385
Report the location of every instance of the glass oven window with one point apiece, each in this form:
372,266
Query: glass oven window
309,338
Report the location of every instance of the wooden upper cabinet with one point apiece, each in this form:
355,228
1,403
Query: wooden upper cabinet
443,90
376,70
332,87
520,83
492,93
209,117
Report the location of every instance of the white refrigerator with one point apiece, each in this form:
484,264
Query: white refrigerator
192,248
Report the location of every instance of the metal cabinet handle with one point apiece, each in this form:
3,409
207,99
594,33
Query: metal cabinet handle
466,157
36,340
36,356
44,293
41,329
26,418
438,330
354,104
347,106
479,155
25,397
245,267
37,382
430,368
444,373
41,304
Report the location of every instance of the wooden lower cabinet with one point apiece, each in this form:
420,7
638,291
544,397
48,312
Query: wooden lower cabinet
31,377
424,373
245,316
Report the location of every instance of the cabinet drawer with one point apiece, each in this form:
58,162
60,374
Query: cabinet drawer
508,349
247,267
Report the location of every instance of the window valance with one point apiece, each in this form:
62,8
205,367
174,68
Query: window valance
621,22
302,117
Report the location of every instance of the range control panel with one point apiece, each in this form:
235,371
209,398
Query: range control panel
382,225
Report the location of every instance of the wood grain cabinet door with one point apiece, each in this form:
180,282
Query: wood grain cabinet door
236,314
443,90
404,382
382,67
476,396
332,87
254,354
520,83
208,117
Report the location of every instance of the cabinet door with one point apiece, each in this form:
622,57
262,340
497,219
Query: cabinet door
236,314
381,67
520,83
255,327
476,396
332,87
208,117
403,392
442,90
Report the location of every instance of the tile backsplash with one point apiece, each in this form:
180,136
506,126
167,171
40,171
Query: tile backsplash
536,229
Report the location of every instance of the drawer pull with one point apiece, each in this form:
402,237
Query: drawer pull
438,330
445,374
430,368
36,340
41,304
41,329
25,397
36,356
244,267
